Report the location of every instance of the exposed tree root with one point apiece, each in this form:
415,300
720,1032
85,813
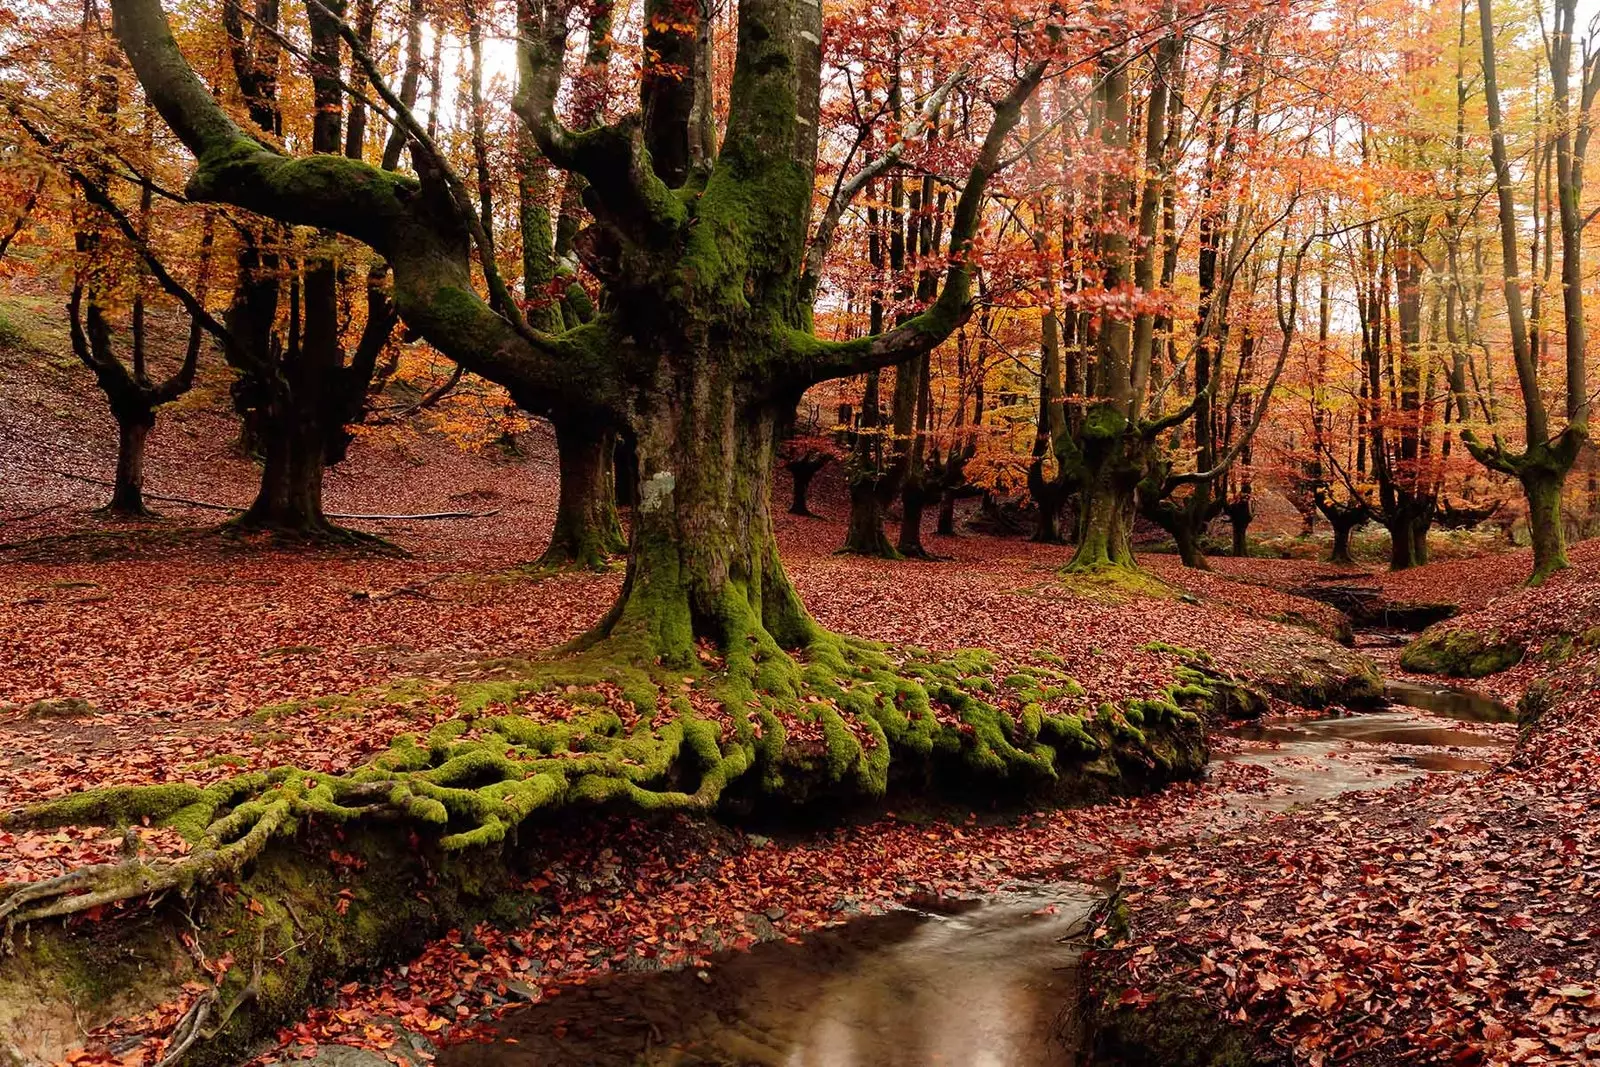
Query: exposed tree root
749,721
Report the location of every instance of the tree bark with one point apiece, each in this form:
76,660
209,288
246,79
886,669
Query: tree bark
1239,515
587,531
1542,484
801,472
1108,471
127,494
1341,541
703,560
289,499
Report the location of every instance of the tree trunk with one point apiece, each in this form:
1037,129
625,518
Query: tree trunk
127,494
1188,540
801,472
587,531
703,561
1239,515
1108,473
913,500
1400,544
1542,486
1341,542
864,534
947,513
289,499
1047,530
1105,528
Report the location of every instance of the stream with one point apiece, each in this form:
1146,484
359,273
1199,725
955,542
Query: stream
984,983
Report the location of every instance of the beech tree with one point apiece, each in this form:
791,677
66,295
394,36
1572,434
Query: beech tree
707,339
1547,454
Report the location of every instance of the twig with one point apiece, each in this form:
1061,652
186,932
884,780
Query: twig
187,1032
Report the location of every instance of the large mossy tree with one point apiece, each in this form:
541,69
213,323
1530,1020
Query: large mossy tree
705,340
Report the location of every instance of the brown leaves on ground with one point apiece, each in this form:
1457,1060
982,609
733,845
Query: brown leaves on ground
1453,920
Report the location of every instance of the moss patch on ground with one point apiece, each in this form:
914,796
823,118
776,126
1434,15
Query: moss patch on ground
423,836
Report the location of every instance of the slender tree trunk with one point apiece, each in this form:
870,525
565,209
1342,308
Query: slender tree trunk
913,501
946,526
1239,515
587,531
127,494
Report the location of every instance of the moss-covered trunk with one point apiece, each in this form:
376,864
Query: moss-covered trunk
1108,473
1185,518
1541,484
703,562
587,531
1400,544
1105,528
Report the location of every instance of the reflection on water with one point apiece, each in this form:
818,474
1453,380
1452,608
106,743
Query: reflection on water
1452,703
986,987
1313,759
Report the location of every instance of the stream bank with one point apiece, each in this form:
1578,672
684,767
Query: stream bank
988,981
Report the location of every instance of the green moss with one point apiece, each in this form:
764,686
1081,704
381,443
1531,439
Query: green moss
1461,653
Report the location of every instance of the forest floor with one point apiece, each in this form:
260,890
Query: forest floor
149,654
1453,919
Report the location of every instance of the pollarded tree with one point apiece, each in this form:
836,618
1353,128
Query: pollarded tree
1547,455
707,338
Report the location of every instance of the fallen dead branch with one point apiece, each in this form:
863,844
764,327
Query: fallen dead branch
209,505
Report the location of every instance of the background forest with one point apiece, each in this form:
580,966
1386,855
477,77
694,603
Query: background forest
564,531
1271,236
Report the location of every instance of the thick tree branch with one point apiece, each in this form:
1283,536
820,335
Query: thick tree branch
419,229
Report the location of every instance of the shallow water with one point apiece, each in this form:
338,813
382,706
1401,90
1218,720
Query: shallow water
1314,759
984,986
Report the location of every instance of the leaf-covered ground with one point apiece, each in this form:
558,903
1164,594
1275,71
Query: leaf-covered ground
187,660
1451,920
